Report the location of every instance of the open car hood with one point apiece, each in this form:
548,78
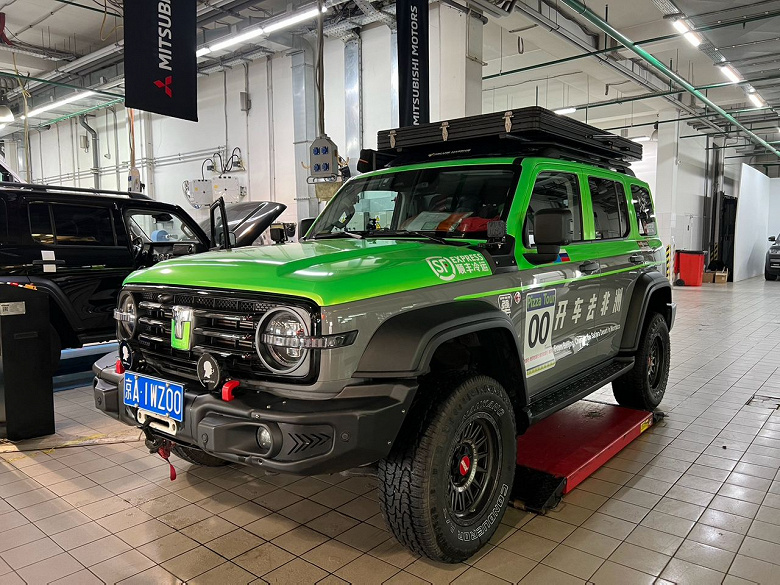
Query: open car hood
249,219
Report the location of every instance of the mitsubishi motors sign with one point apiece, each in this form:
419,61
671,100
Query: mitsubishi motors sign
160,63
413,62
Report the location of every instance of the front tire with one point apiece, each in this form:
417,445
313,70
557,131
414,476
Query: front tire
770,277
197,456
446,484
644,386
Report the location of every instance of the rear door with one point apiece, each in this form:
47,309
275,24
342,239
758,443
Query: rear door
620,255
558,304
77,250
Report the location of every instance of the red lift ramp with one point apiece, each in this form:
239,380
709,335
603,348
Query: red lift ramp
557,454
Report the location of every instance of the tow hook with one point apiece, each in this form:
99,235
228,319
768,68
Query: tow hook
160,446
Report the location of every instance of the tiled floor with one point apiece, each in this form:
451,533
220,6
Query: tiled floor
695,500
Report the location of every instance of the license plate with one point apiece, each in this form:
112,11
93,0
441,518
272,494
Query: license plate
154,395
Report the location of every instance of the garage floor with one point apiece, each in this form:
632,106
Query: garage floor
694,500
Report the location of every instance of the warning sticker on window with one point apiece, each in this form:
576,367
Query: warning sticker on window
538,349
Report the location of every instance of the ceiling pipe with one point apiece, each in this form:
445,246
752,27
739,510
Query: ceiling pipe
614,49
628,68
95,150
605,27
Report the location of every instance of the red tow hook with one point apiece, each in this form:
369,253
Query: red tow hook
228,388
119,368
165,452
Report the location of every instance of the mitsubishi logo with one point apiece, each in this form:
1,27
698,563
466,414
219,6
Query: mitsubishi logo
166,85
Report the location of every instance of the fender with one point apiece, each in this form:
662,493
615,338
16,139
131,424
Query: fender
404,345
60,299
647,285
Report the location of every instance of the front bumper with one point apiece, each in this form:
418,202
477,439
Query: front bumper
772,265
356,428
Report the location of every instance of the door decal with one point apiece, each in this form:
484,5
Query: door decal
538,351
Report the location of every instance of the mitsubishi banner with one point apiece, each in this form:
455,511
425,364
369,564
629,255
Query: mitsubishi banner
160,65
413,62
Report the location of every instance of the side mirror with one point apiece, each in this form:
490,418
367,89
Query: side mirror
552,229
305,225
772,239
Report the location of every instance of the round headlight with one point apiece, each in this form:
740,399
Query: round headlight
277,341
126,316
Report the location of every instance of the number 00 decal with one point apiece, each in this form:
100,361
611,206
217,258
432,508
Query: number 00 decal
539,313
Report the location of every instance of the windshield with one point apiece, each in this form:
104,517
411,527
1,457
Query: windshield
448,201
159,227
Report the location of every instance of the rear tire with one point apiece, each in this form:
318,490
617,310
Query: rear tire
197,456
644,386
446,484
770,277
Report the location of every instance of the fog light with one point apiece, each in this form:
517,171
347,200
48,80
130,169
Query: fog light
265,440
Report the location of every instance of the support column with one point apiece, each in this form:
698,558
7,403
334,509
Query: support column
459,55
353,101
304,125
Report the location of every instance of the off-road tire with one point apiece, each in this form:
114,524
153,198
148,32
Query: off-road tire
197,456
770,277
644,386
416,479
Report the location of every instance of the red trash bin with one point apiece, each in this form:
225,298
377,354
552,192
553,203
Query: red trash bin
690,267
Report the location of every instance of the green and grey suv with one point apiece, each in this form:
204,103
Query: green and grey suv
437,308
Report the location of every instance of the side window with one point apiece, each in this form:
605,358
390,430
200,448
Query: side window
610,209
555,190
82,225
40,223
645,214
3,222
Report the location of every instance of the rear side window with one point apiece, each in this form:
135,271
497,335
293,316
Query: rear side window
40,223
554,190
610,209
645,214
82,225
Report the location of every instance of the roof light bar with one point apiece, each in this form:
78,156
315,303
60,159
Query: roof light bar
565,111
255,32
63,102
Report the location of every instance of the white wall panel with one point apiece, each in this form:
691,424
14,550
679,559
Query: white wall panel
752,230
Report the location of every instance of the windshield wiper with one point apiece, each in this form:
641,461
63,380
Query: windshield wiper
415,234
325,235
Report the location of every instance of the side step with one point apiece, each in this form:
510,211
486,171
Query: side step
562,397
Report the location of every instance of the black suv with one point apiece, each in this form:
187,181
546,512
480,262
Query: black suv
79,245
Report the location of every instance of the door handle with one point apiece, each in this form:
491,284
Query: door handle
590,267
636,259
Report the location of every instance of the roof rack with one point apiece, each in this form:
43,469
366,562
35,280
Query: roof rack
531,131
61,188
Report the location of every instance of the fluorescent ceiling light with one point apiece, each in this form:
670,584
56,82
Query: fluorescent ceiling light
564,111
259,31
693,38
681,27
756,99
294,19
642,139
63,102
731,74
236,40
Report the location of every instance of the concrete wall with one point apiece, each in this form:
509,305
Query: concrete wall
752,229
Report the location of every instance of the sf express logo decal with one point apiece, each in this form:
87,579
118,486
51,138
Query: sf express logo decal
448,268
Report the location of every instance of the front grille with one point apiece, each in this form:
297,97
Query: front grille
223,326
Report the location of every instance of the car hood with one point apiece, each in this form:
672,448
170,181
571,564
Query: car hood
328,272
248,220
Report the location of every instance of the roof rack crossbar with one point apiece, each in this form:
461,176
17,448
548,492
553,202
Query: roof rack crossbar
62,188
